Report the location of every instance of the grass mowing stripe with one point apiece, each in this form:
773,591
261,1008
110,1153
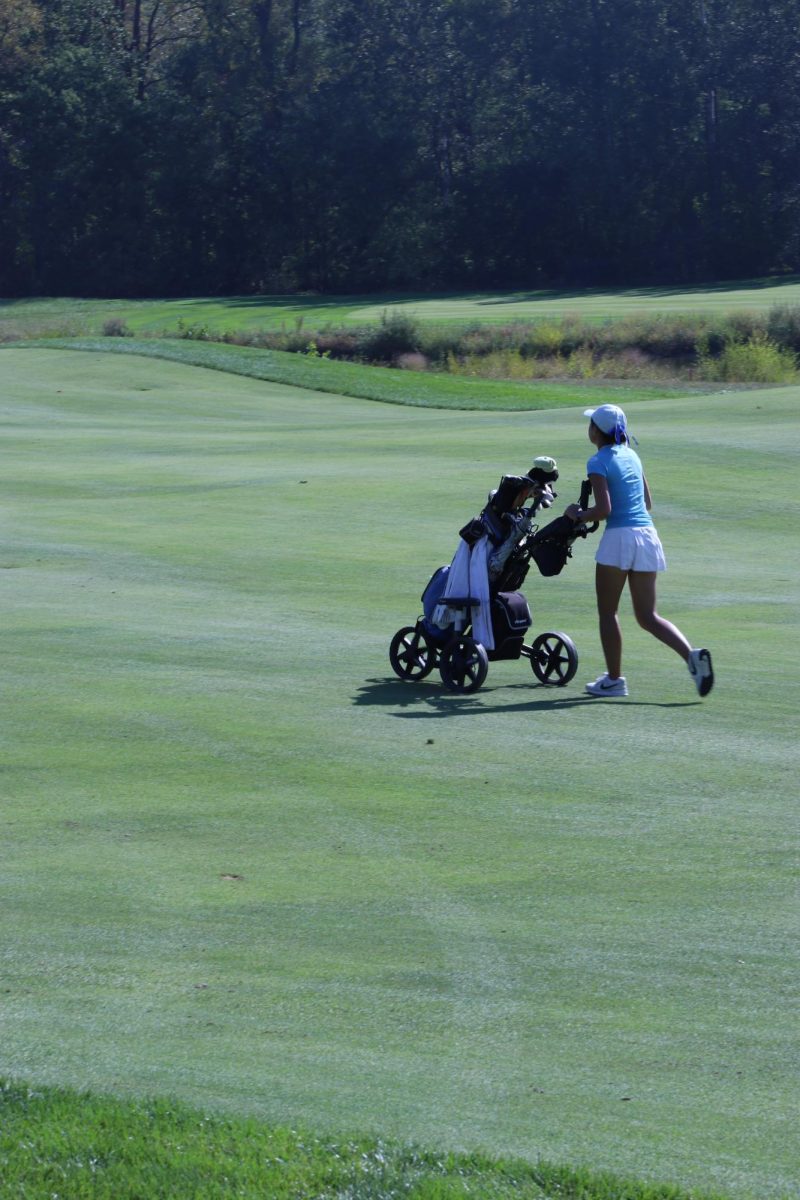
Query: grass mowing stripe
56,1143
385,384
242,864
160,317
595,304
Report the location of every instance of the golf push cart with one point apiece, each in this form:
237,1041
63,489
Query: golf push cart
473,610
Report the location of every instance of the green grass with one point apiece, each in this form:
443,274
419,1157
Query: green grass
756,295
55,1143
362,382
148,317
220,314
242,865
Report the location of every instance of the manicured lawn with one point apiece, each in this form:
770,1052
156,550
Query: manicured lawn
418,389
219,314
243,865
753,295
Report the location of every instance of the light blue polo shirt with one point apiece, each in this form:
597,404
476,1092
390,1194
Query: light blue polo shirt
622,470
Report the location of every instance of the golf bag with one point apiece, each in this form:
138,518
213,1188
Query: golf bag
473,609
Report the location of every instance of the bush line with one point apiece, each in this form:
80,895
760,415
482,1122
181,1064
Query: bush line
747,347
738,347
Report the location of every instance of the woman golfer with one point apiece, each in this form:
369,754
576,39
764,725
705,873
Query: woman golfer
630,550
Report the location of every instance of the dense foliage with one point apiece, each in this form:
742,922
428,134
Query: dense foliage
222,146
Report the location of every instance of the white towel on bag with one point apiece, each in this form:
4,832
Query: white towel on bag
469,576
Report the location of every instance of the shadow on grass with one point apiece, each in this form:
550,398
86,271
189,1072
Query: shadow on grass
430,700
302,302
488,297
653,292
298,303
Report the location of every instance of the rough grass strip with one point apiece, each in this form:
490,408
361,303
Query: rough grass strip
56,1144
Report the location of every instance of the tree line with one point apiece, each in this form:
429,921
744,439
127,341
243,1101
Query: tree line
164,147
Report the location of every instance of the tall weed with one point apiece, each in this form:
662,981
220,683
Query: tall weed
48,327
582,363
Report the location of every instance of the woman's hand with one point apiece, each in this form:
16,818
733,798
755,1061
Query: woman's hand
573,512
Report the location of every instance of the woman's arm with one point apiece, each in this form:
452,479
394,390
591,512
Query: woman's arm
601,507
648,499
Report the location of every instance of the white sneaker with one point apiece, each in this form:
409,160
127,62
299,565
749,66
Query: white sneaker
606,686
701,671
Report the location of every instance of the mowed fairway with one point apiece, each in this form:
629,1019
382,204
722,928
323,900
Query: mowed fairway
40,317
242,864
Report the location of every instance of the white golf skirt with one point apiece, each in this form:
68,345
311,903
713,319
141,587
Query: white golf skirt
632,548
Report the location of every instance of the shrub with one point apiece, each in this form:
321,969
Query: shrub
574,332
116,327
295,341
438,341
581,364
758,360
743,347
494,364
244,337
783,326
744,326
337,343
544,340
663,336
396,334
194,333
635,364
478,340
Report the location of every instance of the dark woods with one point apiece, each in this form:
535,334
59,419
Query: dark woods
228,146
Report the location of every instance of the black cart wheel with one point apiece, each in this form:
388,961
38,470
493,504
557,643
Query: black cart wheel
554,659
411,653
464,664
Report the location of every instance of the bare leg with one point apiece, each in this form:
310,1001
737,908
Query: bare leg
609,582
643,594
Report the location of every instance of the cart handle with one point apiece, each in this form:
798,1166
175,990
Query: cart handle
583,502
